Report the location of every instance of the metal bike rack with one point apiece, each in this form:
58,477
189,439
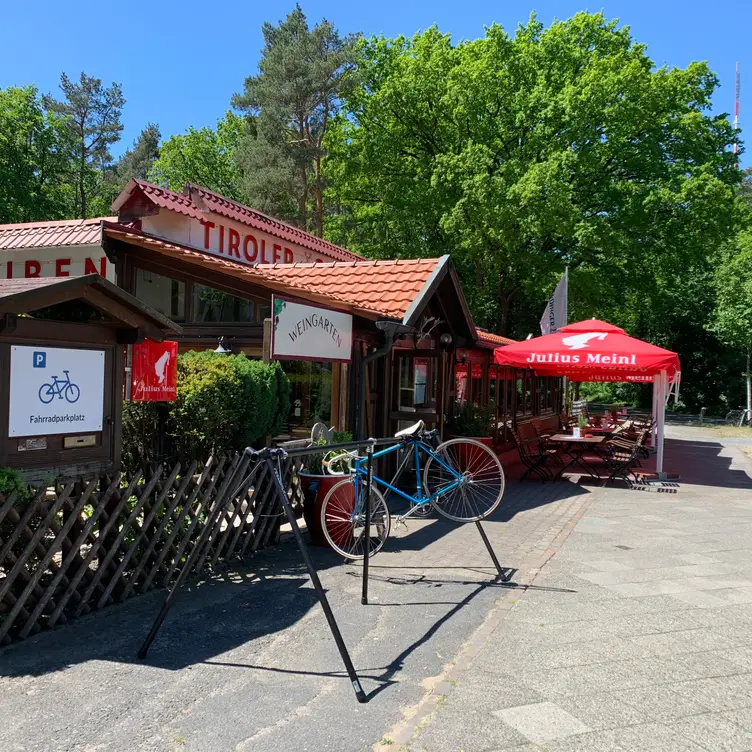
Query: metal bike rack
504,573
241,479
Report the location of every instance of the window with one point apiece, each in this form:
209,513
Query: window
311,391
417,385
212,305
161,293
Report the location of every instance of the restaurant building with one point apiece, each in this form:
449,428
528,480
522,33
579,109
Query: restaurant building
214,267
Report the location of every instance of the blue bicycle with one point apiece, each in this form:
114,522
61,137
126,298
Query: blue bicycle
462,479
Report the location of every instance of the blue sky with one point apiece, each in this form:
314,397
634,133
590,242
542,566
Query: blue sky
179,63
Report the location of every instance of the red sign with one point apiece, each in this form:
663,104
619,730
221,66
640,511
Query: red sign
154,372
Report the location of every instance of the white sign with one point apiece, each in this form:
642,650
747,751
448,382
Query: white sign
231,240
55,262
55,390
307,332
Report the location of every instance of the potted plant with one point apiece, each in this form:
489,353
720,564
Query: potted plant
582,422
315,483
474,422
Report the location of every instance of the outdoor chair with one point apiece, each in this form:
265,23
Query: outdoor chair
533,453
621,458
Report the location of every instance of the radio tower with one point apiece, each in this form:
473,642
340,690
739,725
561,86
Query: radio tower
736,115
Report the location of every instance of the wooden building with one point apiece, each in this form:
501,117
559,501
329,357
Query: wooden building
212,266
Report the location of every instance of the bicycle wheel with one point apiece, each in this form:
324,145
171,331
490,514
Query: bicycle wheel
46,393
72,393
480,486
344,525
732,417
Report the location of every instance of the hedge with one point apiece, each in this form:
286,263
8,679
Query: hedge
224,403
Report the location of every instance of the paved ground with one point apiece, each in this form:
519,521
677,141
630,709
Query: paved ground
249,664
628,628
637,635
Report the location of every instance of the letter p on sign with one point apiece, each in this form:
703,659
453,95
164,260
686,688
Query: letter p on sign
40,359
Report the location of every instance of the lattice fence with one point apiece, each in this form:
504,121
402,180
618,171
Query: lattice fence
73,549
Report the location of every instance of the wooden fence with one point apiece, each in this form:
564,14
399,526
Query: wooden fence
68,551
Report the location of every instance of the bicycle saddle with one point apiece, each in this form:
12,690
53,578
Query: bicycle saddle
411,430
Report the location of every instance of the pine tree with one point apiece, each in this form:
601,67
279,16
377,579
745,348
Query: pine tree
302,75
93,117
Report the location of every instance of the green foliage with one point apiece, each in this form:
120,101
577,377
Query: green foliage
224,404
12,480
474,421
136,162
314,463
205,156
143,425
303,72
33,158
557,146
733,280
92,116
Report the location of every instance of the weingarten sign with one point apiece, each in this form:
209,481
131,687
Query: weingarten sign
306,332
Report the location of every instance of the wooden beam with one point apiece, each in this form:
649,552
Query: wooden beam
102,302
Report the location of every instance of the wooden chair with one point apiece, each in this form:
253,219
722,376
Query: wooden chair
532,451
621,458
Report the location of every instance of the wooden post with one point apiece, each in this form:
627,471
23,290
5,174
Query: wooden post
336,418
266,348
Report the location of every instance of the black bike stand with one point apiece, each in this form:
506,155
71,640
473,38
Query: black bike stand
270,458
505,573
367,531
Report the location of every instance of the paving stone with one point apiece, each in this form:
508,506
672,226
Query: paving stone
601,711
715,731
652,737
542,722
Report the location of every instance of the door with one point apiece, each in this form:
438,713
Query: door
417,389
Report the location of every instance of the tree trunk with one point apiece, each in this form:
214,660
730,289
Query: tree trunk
303,201
749,387
81,187
319,189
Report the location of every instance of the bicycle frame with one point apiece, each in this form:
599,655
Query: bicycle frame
421,499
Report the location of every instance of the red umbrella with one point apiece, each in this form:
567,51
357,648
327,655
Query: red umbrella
590,351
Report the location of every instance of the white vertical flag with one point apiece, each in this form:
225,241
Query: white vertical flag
555,315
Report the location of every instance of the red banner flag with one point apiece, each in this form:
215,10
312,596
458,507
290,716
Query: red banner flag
154,373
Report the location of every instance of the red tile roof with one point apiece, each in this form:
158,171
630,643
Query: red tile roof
488,339
380,288
48,234
195,201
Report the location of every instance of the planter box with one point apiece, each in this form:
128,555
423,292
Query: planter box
315,488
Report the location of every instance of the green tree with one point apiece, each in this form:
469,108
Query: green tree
302,75
92,113
733,313
205,156
33,161
136,162
520,155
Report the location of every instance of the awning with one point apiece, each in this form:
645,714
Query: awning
598,351
590,351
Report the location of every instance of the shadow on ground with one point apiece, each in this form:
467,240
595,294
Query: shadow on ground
270,593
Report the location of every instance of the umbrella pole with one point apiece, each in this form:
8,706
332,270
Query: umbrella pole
662,380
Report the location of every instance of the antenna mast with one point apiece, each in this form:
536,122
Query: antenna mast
736,114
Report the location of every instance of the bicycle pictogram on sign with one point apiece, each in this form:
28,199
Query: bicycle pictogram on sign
60,389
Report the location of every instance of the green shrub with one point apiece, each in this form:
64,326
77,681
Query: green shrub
471,420
224,403
10,481
143,432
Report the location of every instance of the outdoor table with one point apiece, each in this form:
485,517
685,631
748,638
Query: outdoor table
600,429
575,449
